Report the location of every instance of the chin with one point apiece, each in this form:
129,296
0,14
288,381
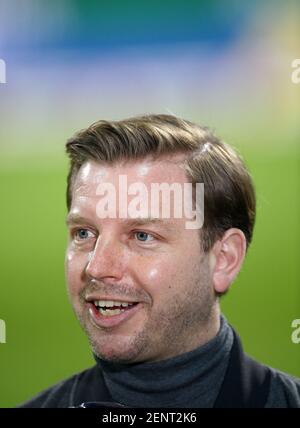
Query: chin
115,355
117,347
119,352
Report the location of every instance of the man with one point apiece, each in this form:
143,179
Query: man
146,287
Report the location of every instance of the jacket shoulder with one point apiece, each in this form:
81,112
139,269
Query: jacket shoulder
284,390
61,394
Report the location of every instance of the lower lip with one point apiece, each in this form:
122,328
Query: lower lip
114,320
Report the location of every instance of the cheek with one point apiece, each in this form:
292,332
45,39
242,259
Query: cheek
167,273
155,275
74,267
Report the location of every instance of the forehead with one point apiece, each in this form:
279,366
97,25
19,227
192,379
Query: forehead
164,170
140,177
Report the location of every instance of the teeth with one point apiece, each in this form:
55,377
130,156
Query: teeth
110,312
111,303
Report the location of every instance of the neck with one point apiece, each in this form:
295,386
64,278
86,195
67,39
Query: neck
192,378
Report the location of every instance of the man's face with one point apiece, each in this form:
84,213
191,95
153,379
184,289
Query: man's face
157,265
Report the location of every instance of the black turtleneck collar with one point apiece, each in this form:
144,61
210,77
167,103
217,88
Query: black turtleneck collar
192,379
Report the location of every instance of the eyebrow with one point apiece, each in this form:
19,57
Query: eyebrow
133,222
75,219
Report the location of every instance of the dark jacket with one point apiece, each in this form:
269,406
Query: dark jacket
247,384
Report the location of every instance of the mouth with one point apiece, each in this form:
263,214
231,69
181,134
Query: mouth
109,313
110,308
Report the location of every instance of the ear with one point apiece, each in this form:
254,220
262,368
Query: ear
227,258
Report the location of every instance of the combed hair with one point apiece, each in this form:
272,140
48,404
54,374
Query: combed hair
229,196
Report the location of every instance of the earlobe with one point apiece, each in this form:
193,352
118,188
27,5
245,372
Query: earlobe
228,254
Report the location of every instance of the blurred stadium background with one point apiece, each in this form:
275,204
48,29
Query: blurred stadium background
225,64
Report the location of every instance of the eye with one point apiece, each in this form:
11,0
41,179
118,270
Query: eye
142,236
82,234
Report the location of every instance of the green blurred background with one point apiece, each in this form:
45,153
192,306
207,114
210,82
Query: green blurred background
222,64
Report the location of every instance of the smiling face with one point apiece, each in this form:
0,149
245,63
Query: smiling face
157,267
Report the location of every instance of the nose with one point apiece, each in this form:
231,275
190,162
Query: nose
107,260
